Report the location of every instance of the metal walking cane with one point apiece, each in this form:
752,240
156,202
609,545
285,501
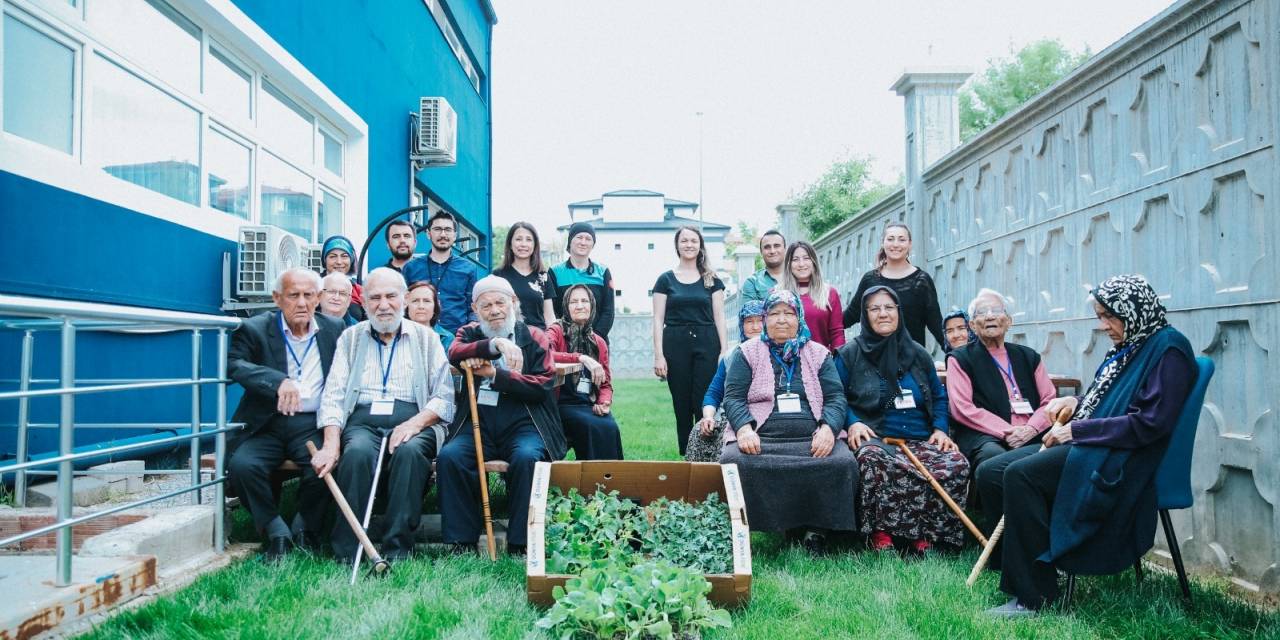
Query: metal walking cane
484,476
368,509
380,566
933,482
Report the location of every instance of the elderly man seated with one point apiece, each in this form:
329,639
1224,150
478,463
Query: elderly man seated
281,360
335,299
997,391
390,379
518,418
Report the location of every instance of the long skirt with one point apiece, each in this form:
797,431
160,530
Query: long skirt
592,437
706,448
785,487
897,499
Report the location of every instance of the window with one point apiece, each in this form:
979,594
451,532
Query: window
651,246
286,125
39,81
143,135
332,153
329,215
286,196
441,15
155,36
230,173
228,87
617,246
617,293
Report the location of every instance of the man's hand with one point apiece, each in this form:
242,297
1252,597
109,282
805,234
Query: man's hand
600,409
594,367
403,431
748,441
480,367
511,353
288,397
1057,405
1019,436
859,434
823,442
1060,434
325,460
942,441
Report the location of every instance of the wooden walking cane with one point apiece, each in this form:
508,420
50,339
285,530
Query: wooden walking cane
946,497
380,566
368,509
996,533
484,476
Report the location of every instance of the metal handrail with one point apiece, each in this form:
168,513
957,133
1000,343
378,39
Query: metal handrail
68,317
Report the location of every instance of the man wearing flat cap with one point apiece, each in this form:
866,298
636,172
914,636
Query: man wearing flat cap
518,418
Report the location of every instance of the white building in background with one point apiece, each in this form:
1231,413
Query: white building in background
635,232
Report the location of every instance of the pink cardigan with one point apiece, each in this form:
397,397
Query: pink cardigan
960,397
825,327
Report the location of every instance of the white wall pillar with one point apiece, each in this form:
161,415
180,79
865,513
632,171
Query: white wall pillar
932,109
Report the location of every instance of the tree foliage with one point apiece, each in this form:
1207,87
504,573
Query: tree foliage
748,235
1009,82
845,189
498,245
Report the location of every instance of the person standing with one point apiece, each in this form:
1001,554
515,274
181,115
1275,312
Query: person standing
522,267
688,329
338,255
773,249
402,239
915,289
803,277
452,276
579,269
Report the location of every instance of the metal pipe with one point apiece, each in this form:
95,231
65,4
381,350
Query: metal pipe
114,472
195,412
30,464
24,416
158,426
66,442
220,449
75,391
55,308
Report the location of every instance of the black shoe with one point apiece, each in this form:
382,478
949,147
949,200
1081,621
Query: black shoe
515,549
277,549
815,543
308,541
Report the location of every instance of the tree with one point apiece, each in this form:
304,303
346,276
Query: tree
845,189
1009,82
498,246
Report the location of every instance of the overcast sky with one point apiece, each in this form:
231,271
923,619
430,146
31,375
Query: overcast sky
591,96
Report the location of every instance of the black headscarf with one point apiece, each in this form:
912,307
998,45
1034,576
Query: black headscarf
579,338
968,327
890,354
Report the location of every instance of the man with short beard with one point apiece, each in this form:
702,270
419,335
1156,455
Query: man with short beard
518,419
390,378
452,275
402,239
773,249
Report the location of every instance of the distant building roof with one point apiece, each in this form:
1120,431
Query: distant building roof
631,193
672,222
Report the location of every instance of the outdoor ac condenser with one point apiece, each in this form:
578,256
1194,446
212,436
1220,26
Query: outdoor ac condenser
437,142
264,252
312,258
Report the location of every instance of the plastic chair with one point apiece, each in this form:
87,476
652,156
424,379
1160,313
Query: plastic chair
1173,478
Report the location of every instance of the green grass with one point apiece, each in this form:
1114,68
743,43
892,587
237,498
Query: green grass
851,594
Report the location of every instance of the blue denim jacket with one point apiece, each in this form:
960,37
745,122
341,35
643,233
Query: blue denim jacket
454,281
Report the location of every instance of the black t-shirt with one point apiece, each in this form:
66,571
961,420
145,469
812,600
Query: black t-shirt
687,304
531,290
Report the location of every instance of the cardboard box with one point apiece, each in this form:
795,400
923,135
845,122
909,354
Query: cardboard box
644,482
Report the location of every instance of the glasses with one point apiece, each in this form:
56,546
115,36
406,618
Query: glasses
988,311
442,230
337,292
879,309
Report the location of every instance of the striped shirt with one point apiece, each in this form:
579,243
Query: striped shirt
399,384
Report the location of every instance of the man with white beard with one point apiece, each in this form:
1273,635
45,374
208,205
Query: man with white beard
389,377
518,419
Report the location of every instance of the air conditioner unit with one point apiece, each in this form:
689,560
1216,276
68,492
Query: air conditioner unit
312,258
437,141
264,252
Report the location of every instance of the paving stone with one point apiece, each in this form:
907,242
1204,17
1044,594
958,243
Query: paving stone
85,491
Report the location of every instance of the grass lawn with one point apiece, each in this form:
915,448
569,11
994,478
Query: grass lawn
851,594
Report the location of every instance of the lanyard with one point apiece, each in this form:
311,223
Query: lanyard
292,354
386,371
1017,395
1117,356
790,369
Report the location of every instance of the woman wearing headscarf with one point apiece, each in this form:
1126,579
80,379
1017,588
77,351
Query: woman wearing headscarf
704,442
784,404
585,397
893,391
955,326
337,254
1086,504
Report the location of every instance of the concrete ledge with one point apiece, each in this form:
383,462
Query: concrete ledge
33,606
124,477
85,491
172,535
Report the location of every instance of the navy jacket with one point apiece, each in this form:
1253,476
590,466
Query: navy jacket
454,281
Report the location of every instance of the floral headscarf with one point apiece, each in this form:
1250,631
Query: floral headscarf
1131,299
957,313
750,309
788,349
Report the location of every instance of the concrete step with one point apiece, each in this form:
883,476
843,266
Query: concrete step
85,491
34,606
172,535
124,476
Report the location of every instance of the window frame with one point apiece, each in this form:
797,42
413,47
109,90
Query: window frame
45,28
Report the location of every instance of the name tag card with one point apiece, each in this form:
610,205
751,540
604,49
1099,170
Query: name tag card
584,385
487,397
1022,408
382,407
905,400
788,403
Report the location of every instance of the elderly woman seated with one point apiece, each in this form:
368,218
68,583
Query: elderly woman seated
585,398
704,442
893,391
422,305
784,404
1086,504
956,327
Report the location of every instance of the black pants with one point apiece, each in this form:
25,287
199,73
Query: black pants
1026,487
592,437
408,473
521,447
252,463
692,353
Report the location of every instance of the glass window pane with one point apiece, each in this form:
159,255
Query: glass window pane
229,176
142,134
38,77
154,35
227,87
330,215
332,153
286,196
286,126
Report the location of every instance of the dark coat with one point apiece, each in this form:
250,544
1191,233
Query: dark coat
257,360
534,385
863,386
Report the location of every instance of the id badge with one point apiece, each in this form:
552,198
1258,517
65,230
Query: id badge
487,397
584,386
382,407
905,400
1023,408
788,403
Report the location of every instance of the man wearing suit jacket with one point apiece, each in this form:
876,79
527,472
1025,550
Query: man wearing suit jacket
281,359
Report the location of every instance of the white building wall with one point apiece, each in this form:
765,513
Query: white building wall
635,267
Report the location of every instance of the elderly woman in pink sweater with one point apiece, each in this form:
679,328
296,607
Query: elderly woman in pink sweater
785,407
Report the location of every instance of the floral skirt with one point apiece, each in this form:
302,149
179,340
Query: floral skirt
706,448
897,499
